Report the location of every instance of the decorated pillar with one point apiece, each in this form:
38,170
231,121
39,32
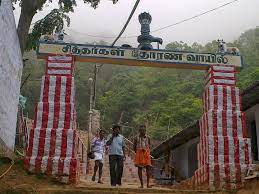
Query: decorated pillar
53,141
224,151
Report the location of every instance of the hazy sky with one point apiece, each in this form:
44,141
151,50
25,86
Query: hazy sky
108,19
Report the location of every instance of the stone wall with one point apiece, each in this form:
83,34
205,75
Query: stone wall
252,124
180,158
10,74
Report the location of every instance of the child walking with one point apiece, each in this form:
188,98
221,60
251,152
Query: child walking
98,147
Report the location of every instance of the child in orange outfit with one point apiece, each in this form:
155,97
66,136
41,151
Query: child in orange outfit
142,158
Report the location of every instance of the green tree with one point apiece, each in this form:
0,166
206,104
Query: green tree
53,21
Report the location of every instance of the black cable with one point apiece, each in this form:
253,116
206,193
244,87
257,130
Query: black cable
25,80
126,24
90,35
193,17
162,28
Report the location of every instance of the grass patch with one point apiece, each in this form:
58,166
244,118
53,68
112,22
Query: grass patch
40,176
19,163
5,160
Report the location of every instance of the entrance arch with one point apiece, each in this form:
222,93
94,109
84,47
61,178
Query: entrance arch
223,152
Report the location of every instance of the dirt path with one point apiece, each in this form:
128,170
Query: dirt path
18,181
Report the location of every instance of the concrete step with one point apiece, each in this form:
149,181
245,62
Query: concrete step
117,191
85,187
130,172
125,171
106,179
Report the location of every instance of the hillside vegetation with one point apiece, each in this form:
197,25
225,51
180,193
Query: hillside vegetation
167,100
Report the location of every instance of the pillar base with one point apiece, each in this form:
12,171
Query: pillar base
224,151
64,169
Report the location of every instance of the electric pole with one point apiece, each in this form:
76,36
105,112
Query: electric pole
90,111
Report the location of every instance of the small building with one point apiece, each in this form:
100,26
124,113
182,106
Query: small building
182,147
250,103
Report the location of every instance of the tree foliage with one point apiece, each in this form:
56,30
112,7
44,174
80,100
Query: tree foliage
55,20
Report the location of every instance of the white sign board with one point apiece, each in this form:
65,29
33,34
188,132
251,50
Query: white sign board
136,57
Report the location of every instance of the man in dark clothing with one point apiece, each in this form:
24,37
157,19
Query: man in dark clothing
116,155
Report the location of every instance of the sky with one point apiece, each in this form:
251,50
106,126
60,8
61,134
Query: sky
108,19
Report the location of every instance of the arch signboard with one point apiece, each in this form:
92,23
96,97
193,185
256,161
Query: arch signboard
136,57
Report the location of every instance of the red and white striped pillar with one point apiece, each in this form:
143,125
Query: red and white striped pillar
52,144
224,151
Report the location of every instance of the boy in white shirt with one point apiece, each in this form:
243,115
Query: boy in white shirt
98,148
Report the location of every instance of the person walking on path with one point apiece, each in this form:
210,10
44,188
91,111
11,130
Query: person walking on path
98,148
117,155
142,157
